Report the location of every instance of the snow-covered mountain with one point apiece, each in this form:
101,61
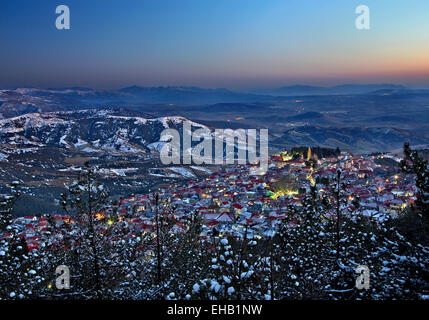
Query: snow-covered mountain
89,131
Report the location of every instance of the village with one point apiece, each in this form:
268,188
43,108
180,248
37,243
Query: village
234,202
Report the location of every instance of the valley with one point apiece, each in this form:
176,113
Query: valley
46,135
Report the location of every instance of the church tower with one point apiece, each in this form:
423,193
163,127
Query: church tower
309,153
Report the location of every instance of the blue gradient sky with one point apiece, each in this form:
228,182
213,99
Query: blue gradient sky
213,43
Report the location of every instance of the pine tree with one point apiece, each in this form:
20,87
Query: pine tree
161,247
190,257
20,270
415,165
234,266
6,207
303,249
89,252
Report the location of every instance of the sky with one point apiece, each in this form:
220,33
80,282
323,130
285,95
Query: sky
232,44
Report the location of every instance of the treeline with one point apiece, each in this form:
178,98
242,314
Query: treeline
319,151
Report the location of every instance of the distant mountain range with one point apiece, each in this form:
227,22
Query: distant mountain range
14,102
359,118
355,139
303,90
188,95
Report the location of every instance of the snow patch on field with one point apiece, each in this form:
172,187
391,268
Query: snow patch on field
166,175
206,170
63,140
80,143
187,173
122,172
89,149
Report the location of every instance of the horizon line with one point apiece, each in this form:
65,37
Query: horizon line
297,84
